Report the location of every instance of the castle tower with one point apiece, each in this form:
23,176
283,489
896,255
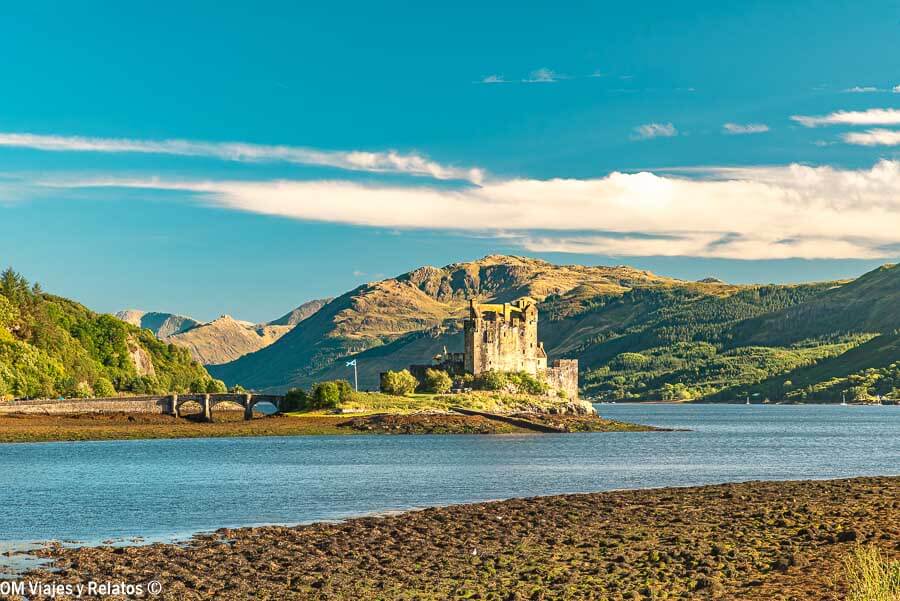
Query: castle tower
503,337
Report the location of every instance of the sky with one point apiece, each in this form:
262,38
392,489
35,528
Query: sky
210,158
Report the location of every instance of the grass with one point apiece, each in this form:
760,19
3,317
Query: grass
363,403
872,576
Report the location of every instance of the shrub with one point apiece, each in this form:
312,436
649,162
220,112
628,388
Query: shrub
296,399
104,388
492,380
215,386
345,390
525,383
437,381
326,395
518,382
872,576
83,390
398,383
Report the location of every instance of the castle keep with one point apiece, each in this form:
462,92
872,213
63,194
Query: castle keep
503,337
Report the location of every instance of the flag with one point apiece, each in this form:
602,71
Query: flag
351,363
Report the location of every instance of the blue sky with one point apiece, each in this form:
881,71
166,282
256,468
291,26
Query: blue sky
204,159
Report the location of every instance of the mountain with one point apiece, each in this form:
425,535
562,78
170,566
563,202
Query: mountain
415,307
870,303
636,335
223,339
297,315
52,346
161,324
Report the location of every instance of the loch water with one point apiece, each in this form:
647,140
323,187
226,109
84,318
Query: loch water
92,492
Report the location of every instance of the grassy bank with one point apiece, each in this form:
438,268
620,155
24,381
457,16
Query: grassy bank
755,541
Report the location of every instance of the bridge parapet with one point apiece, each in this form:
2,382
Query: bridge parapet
153,403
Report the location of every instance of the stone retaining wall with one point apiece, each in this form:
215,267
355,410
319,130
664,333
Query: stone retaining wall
136,404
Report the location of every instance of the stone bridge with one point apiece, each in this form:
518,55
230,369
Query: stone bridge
207,401
169,404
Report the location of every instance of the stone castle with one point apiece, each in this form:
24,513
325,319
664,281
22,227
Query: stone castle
503,337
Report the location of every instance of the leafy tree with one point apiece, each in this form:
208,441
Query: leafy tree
214,386
296,399
326,395
437,381
492,380
104,388
398,383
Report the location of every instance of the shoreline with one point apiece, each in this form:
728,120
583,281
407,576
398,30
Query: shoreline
751,540
33,428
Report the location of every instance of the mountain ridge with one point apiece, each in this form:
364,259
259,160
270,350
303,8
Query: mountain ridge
594,314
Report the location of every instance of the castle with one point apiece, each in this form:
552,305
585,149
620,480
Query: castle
503,337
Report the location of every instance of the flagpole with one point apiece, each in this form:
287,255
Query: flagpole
355,377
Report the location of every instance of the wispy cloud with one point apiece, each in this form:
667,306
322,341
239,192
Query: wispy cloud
863,90
874,137
737,213
493,79
867,117
353,160
654,130
896,89
542,75
745,128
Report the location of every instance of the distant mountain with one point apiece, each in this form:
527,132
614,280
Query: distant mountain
637,335
297,315
161,324
51,346
223,339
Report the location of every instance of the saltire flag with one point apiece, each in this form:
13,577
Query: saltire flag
351,363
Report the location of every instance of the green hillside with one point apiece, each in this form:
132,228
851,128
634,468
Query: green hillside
51,346
637,336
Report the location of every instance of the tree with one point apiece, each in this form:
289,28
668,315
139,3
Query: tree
437,381
215,386
104,388
492,380
296,399
326,395
398,383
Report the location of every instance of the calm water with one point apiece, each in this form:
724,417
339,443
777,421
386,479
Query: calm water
91,491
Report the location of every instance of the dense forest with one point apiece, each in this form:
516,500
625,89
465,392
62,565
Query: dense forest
822,342
51,346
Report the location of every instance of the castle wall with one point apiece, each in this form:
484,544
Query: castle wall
503,338
563,375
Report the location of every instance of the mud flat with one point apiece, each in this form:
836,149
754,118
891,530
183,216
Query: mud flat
117,426
750,541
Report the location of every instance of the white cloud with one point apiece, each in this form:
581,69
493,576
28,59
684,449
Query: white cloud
738,213
868,117
896,89
353,160
543,75
874,137
493,79
654,130
863,90
746,128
